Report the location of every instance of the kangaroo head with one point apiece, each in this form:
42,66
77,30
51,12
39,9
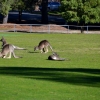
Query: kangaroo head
2,39
36,48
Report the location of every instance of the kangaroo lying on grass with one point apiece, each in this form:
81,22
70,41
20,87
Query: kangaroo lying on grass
43,46
8,49
55,56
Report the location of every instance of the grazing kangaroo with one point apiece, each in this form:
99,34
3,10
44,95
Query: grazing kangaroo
55,56
8,49
43,46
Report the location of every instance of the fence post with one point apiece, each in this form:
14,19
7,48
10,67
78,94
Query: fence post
68,29
30,28
49,28
87,29
14,28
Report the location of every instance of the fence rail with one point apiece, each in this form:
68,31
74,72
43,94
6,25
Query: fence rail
50,28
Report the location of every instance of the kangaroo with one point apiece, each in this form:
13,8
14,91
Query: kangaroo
55,56
43,46
3,41
8,49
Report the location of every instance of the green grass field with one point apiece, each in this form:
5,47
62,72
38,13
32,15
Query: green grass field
33,77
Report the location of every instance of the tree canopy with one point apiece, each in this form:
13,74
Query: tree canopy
20,5
81,11
5,6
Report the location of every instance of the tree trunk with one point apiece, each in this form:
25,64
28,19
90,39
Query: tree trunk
82,27
44,18
5,19
20,15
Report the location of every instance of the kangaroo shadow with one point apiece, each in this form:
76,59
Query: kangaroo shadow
32,52
75,76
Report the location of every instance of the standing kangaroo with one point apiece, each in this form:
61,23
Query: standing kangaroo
8,49
43,46
3,41
55,56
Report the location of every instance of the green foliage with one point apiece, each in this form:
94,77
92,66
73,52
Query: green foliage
18,4
23,4
81,11
5,6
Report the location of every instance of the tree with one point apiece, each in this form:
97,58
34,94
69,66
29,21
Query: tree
5,6
81,11
44,19
20,6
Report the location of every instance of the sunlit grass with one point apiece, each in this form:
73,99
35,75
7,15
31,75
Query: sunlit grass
33,77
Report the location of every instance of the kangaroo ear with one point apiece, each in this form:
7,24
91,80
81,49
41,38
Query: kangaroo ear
2,38
34,48
55,53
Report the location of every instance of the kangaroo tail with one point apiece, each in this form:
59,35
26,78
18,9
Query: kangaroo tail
18,48
61,59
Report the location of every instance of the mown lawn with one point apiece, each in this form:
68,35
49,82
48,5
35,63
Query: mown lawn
33,77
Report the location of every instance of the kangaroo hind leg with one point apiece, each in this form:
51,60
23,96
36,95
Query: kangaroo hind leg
9,55
46,49
15,55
